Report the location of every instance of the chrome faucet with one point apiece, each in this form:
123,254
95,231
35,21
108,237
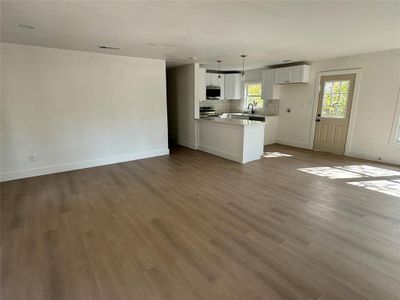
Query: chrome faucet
252,108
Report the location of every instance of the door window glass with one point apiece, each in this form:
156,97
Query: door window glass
335,98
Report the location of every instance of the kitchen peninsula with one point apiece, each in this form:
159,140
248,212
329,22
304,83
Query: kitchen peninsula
235,139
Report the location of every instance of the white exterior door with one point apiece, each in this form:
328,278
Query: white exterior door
333,113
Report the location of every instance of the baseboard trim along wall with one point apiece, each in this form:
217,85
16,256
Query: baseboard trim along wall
182,143
293,143
81,164
227,155
353,154
371,157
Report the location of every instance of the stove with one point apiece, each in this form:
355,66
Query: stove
207,112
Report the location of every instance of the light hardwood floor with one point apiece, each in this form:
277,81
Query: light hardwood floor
195,226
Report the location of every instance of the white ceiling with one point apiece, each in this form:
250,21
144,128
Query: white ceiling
268,32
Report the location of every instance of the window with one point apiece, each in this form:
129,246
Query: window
253,94
334,101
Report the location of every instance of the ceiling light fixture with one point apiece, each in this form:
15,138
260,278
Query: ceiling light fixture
243,56
108,47
26,26
219,61
286,60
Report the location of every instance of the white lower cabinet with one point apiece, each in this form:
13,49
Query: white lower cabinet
271,130
241,143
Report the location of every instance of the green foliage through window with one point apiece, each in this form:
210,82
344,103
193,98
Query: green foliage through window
254,94
335,98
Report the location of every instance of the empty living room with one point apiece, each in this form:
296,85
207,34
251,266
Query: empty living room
199,150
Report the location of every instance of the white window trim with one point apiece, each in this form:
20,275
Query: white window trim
245,91
396,122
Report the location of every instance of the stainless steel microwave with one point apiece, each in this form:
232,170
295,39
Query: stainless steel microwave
213,92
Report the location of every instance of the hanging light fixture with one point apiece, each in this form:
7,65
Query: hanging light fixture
219,67
243,56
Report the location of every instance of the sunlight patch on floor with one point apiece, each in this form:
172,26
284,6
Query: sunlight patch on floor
389,187
275,154
369,170
352,171
331,173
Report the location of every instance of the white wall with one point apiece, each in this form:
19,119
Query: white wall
253,75
182,104
72,109
372,116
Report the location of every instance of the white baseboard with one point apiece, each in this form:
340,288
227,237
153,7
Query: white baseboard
217,152
296,144
81,164
186,144
183,143
373,157
353,154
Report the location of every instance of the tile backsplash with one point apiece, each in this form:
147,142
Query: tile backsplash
221,106
237,106
271,107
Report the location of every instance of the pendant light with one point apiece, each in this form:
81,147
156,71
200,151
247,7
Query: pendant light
243,56
219,67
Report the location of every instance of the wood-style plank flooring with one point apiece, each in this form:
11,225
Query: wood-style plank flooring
195,226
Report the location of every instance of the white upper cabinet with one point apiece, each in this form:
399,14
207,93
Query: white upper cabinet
298,74
214,80
232,86
269,89
281,75
294,74
208,79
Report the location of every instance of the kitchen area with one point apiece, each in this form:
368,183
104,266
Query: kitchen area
235,113
238,111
